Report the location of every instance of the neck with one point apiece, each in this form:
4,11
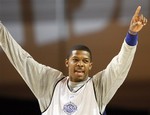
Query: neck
74,86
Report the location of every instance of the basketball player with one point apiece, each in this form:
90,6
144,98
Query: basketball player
77,93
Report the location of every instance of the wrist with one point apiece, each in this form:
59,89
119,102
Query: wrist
132,33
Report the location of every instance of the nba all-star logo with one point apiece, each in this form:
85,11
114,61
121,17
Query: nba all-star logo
69,108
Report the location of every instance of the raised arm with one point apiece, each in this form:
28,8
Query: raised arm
118,68
38,77
108,81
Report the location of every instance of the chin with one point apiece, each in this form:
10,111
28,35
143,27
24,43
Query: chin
81,78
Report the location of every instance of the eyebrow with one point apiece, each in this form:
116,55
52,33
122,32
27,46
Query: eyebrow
83,58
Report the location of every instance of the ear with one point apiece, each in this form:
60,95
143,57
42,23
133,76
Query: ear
90,67
66,63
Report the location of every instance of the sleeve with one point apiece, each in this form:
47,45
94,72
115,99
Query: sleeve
40,78
107,82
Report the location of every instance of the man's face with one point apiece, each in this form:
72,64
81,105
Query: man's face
79,64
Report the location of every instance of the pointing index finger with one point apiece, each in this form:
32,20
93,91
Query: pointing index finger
137,11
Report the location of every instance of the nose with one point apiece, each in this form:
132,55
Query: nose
80,63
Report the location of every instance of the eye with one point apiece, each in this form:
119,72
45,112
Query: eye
75,60
86,61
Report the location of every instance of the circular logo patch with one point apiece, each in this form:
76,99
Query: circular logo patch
69,108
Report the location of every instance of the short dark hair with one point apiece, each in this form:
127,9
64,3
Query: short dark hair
79,47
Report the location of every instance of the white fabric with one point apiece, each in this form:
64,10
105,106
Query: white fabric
65,102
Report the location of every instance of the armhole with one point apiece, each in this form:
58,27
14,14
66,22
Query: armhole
52,94
96,97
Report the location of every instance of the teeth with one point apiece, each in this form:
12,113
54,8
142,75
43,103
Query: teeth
79,70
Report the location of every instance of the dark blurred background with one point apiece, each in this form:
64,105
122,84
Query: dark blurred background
48,28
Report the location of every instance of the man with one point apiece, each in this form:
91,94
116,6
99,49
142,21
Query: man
76,94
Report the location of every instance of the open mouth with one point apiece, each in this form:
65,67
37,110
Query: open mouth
79,72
